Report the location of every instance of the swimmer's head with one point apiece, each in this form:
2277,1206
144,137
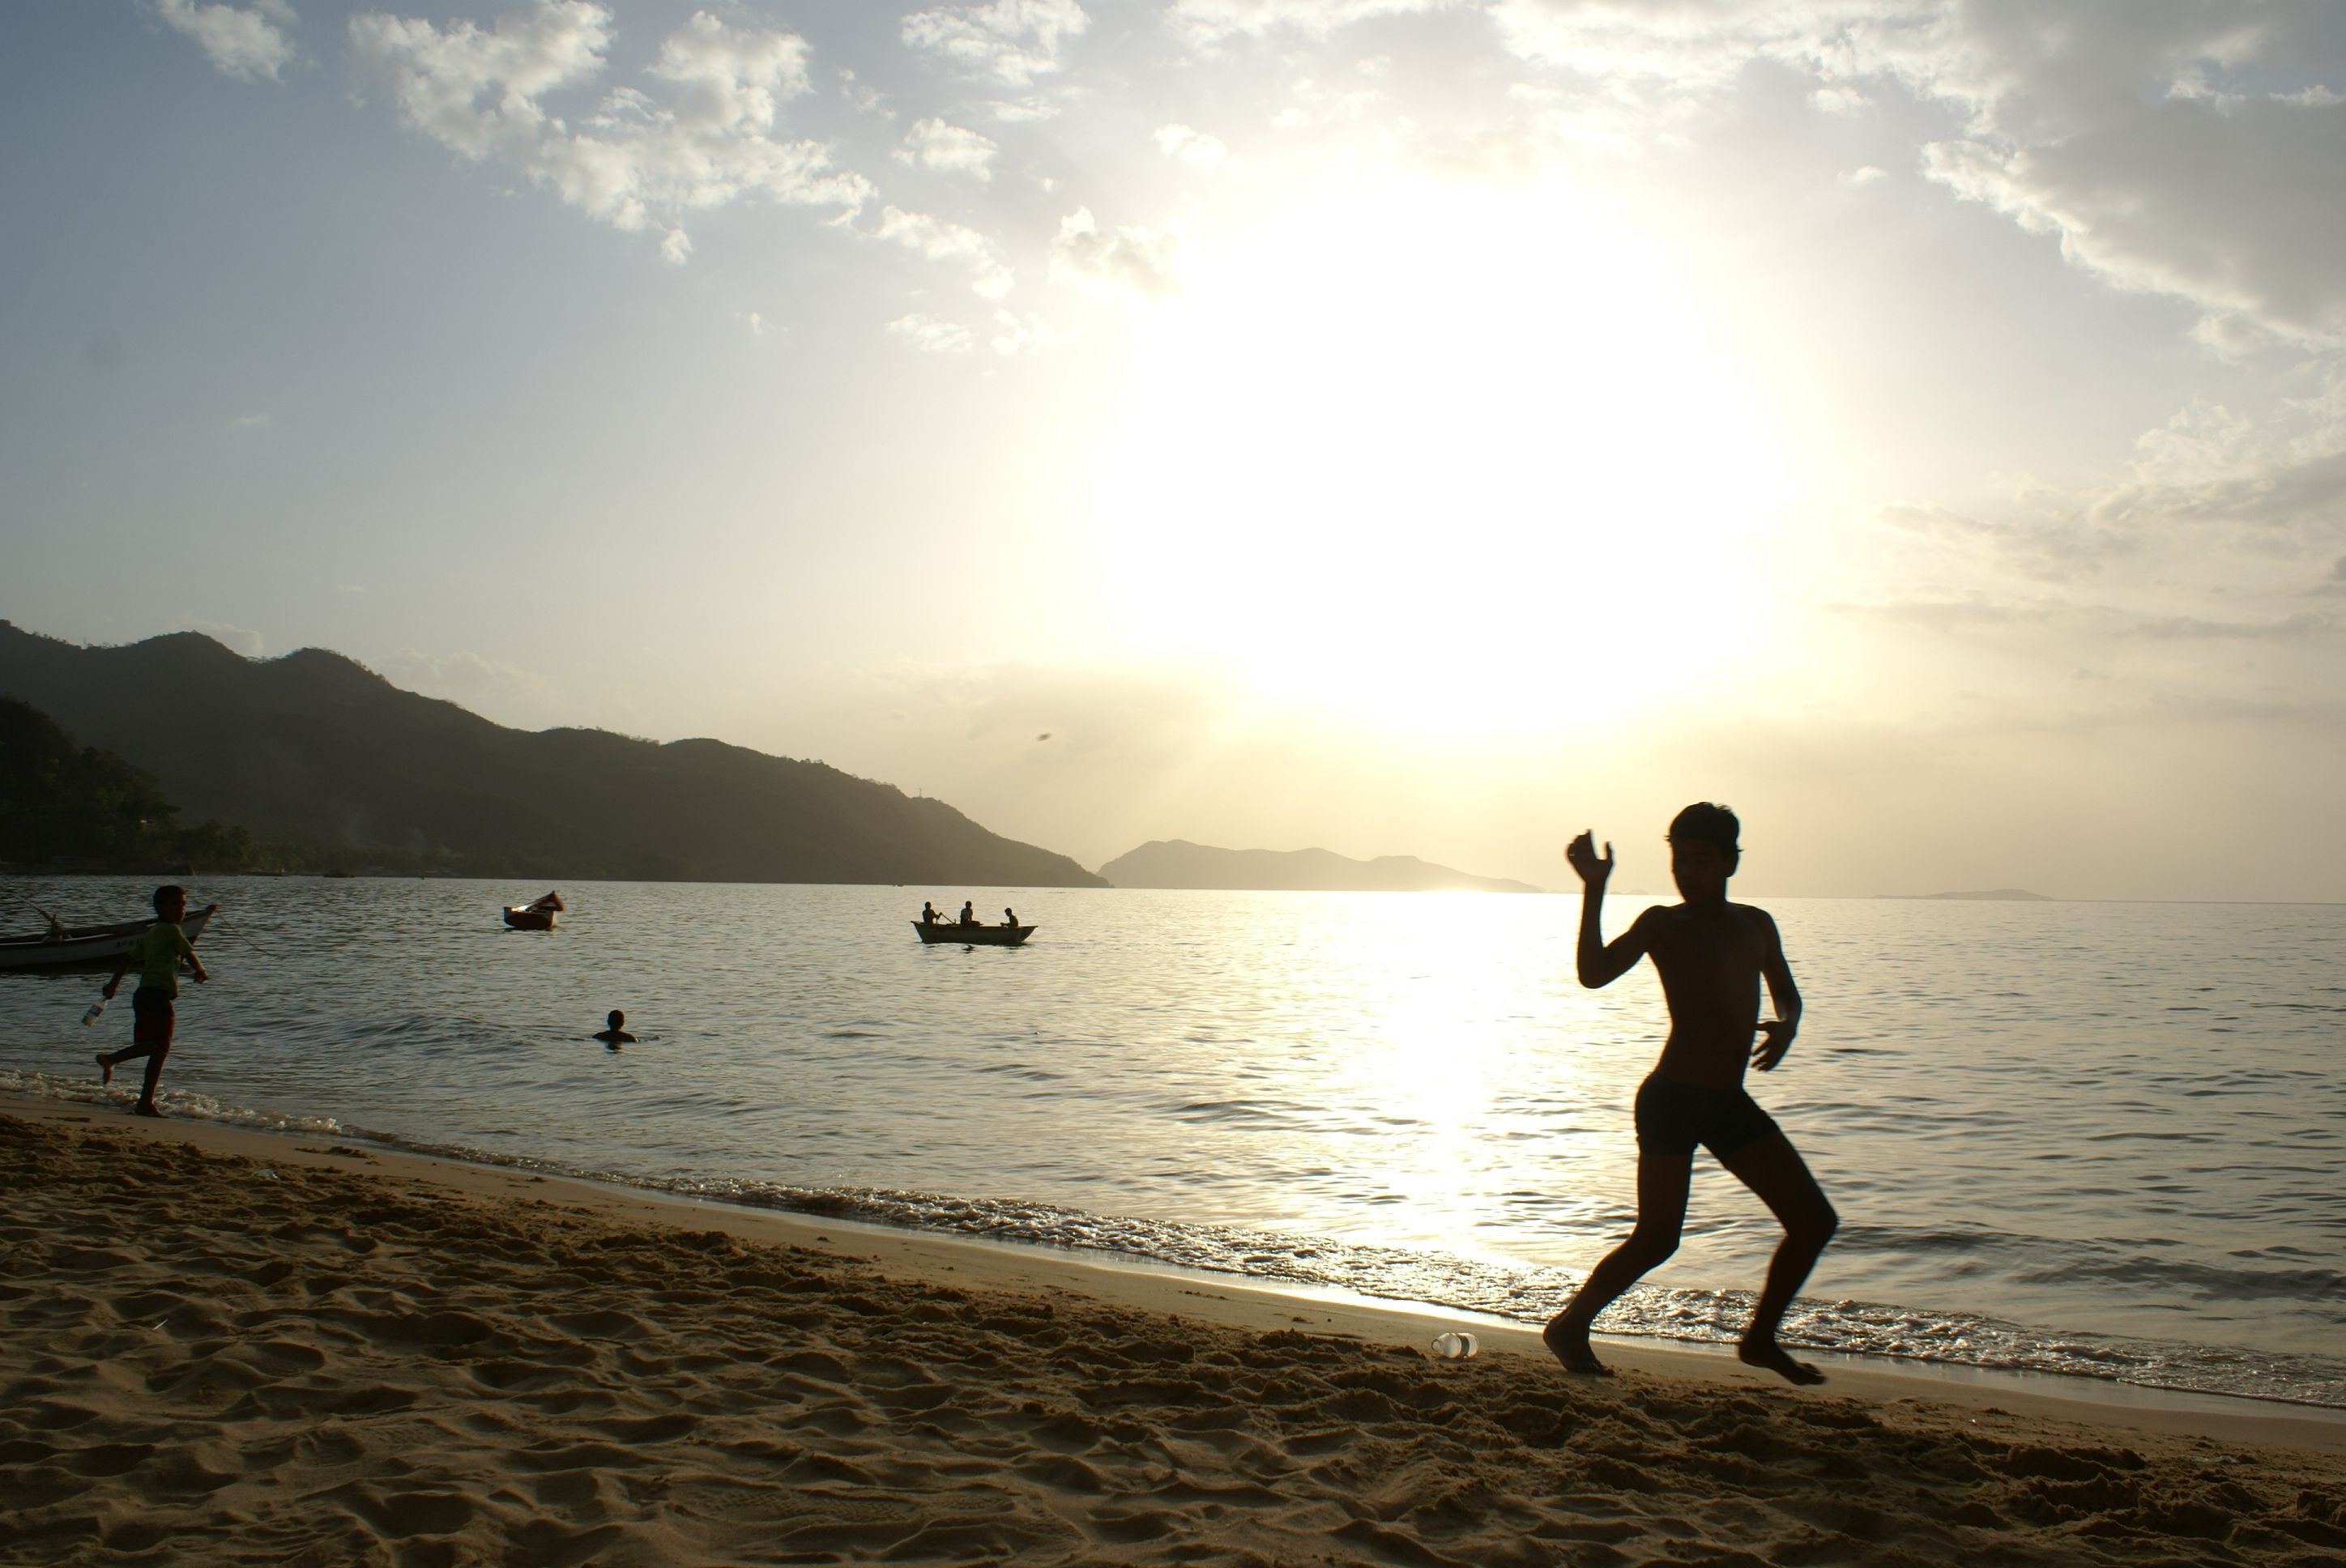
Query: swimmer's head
616,1019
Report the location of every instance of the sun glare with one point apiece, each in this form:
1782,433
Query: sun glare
1433,454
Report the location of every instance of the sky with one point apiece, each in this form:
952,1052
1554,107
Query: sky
1417,427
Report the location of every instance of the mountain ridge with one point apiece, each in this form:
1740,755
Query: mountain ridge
312,748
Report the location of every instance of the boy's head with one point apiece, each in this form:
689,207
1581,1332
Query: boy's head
616,1019
1704,850
170,902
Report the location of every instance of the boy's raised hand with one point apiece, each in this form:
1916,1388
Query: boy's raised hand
1581,855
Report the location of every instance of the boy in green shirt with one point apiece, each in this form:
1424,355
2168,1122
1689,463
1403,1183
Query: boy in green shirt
155,956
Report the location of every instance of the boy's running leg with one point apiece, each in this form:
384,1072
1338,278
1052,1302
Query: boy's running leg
146,1106
1662,1178
150,1036
1772,1168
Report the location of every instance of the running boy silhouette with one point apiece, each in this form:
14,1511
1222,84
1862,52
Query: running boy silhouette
1711,956
155,957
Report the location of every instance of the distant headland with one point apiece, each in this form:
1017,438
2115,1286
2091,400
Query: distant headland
1177,863
1990,895
314,761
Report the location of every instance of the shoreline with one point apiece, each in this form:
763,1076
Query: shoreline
2053,1395
258,1348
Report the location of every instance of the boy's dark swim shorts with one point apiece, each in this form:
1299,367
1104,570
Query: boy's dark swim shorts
1673,1117
151,1019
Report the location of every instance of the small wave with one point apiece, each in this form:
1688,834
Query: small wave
2202,1281
180,1105
1525,1293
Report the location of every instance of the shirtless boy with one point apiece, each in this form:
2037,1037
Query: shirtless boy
1711,956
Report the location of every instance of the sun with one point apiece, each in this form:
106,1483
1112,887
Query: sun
1432,454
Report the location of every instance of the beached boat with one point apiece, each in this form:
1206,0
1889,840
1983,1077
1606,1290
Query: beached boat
535,916
87,946
948,932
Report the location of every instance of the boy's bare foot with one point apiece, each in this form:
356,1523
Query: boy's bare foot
1769,1354
105,1069
143,1109
1572,1349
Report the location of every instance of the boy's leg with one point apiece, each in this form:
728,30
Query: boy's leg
150,1036
1663,1175
146,1106
1773,1169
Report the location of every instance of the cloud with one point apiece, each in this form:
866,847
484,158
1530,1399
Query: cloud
1133,261
1028,334
2172,148
1011,335
246,42
248,421
1863,176
2282,473
2051,539
1033,106
931,336
470,680
941,239
2171,628
933,144
1839,100
1194,148
2221,205
2222,507
1008,41
236,639
1948,615
1209,21
635,163
865,97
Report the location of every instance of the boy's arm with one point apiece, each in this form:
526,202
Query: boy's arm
188,951
128,960
1775,1034
1601,964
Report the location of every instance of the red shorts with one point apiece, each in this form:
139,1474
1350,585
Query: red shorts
151,1019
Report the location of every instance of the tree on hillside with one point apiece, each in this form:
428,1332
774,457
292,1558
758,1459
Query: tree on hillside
59,801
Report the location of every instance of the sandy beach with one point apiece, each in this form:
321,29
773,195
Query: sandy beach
224,1346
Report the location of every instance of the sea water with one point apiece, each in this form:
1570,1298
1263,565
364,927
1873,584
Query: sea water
2101,1139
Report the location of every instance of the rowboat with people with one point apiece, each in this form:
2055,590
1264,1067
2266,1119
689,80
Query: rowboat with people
946,934
62,946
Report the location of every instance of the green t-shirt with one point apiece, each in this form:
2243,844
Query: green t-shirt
158,955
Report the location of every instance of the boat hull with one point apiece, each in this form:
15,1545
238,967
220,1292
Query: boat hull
88,946
521,917
944,935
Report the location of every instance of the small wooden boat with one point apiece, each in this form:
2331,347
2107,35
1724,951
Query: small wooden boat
535,916
87,946
949,933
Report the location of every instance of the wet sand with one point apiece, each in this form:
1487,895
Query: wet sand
224,1346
